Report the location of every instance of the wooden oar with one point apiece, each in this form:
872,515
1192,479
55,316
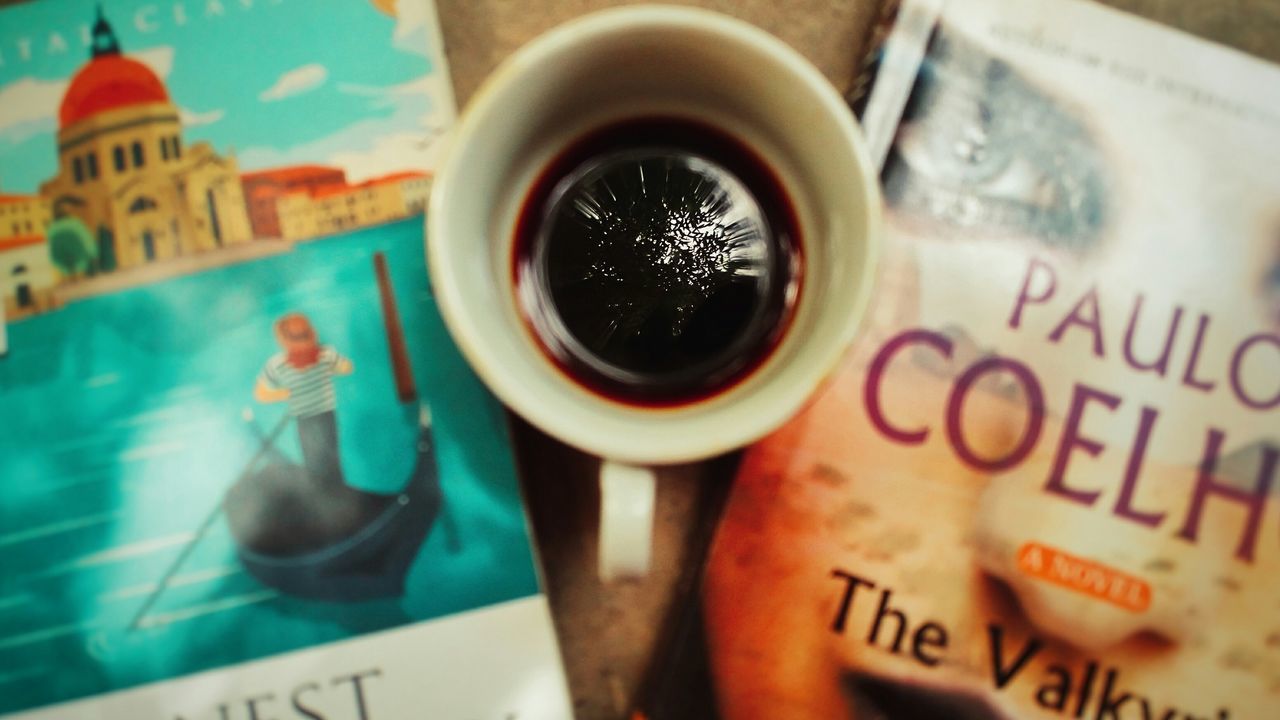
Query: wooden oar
263,449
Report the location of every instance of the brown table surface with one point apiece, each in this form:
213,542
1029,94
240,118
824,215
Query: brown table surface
610,633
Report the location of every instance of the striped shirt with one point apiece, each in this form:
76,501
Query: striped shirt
310,388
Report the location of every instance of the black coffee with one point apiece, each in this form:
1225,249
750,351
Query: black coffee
657,260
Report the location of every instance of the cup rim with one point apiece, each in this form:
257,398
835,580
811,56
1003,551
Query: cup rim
680,446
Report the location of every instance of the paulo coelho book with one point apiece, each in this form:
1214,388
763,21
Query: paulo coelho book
246,475
1045,483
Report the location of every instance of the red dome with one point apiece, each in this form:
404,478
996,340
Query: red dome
106,83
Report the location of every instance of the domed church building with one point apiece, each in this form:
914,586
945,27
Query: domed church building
124,170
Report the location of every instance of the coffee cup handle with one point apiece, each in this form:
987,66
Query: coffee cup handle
627,495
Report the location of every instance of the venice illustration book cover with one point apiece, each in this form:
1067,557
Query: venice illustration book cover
235,428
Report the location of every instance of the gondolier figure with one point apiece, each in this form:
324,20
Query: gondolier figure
302,374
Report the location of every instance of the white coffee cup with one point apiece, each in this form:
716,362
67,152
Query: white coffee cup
643,61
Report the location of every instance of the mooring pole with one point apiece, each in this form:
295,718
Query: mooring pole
406,389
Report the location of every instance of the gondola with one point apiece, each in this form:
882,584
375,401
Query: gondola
317,537
326,540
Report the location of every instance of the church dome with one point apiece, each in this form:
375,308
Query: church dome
108,82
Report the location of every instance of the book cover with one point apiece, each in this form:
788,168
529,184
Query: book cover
245,473
1044,482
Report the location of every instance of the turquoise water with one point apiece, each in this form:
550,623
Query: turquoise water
124,418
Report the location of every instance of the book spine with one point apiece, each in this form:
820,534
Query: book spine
897,65
872,48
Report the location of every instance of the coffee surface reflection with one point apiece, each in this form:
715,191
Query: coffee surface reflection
657,261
